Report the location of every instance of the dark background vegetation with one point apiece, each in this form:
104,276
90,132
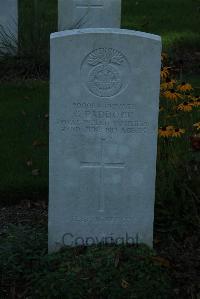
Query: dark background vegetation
176,21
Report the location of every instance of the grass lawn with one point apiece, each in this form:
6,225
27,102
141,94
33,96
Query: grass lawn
174,20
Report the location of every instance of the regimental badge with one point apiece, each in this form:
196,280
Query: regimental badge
105,72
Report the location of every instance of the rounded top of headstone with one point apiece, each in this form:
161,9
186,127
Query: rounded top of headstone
106,31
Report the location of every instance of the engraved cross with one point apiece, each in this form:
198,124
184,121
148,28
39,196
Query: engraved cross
89,4
102,166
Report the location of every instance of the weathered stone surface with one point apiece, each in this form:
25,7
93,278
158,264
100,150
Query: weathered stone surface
73,14
103,136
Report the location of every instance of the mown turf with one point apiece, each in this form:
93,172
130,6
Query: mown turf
172,19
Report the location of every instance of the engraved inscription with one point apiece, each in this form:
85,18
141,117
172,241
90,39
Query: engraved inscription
106,118
104,72
113,219
102,165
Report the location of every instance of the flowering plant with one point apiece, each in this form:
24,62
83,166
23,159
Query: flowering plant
179,106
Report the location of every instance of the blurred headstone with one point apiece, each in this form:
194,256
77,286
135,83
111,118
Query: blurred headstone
74,14
8,26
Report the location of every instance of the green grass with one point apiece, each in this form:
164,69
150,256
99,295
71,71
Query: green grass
174,20
109,272
24,137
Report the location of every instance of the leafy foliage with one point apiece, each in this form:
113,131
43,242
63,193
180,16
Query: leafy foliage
32,47
178,160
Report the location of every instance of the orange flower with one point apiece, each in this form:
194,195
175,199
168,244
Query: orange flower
197,125
172,94
184,87
164,72
168,84
178,132
196,102
165,131
186,107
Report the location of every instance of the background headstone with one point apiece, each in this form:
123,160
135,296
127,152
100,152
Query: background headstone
8,25
74,14
103,136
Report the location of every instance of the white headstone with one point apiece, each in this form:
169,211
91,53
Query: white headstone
8,25
103,136
73,14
